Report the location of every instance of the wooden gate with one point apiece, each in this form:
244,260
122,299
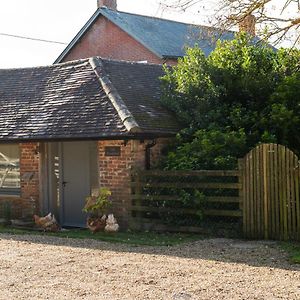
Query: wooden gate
271,205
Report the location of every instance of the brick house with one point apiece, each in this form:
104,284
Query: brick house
124,36
70,128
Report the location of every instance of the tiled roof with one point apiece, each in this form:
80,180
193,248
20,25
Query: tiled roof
139,87
69,101
165,38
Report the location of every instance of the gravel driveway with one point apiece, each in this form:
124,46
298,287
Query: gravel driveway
43,267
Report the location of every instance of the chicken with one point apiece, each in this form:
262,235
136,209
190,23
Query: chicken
111,224
96,224
48,223
41,221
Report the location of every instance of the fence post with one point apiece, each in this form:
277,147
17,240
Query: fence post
242,198
266,196
241,182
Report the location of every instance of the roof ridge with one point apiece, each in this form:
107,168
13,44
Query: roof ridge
113,95
71,62
157,18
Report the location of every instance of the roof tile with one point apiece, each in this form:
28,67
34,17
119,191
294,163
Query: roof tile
66,101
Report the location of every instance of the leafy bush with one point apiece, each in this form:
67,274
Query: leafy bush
98,205
241,95
208,149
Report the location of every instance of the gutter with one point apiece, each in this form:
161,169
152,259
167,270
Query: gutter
138,136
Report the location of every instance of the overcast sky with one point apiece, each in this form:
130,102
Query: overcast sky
57,20
60,20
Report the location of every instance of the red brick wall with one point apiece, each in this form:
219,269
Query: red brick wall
107,40
29,172
115,171
171,62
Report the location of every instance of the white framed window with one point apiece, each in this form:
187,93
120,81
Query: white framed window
9,169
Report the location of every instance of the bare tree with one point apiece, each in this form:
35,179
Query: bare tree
276,20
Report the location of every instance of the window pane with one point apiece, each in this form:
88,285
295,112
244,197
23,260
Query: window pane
9,169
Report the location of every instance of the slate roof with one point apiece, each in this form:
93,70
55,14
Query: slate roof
165,38
85,99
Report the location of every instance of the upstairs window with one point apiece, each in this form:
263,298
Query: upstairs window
9,169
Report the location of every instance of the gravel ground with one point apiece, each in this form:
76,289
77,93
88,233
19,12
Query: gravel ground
41,267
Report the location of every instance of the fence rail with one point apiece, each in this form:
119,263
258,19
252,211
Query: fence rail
156,197
219,173
264,192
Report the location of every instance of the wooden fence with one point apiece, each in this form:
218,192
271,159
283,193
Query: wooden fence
271,193
265,192
157,198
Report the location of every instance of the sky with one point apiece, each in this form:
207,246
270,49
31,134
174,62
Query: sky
57,20
60,20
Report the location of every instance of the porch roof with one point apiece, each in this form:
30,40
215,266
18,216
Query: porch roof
85,99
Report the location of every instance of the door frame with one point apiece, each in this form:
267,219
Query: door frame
48,204
56,203
60,184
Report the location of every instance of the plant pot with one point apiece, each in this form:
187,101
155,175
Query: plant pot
95,224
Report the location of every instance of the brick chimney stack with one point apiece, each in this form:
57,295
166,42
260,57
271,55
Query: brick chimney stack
112,4
248,24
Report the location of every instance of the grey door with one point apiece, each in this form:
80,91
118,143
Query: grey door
75,182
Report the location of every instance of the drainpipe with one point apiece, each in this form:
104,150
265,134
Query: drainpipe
148,154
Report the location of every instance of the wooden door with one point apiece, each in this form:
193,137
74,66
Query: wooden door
75,182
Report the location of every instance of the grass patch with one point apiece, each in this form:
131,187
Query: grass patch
131,238
293,250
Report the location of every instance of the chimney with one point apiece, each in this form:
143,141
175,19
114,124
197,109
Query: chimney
247,24
111,4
